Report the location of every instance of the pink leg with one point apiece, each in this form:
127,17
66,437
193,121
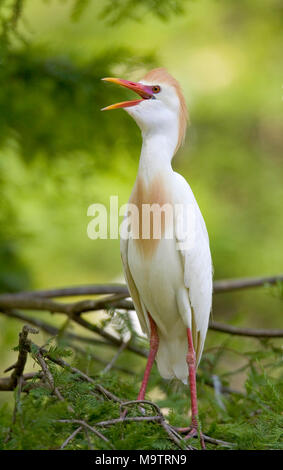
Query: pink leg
154,342
191,360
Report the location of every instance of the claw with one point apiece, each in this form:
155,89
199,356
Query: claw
194,433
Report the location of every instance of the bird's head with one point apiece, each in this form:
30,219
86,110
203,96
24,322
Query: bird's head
161,109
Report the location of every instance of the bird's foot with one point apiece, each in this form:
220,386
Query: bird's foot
195,432
191,431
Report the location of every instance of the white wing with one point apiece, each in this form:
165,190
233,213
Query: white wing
138,304
192,236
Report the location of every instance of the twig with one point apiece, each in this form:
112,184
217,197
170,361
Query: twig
23,352
172,435
16,378
146,402
87,426
83,376
110,422
18,367
52,330
90,446
245,283
102,361
107,393
18,398
111,340
252,332
217,442
16,407
45,369
71,437
175,437
6,386
115,357
108,336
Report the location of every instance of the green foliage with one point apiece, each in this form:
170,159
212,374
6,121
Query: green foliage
116,11
251,419
256,421
49,106
62,101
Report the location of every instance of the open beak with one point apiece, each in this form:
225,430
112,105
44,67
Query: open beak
145,92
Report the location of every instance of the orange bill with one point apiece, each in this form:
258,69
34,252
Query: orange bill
144,91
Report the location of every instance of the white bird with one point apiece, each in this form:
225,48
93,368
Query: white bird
169,276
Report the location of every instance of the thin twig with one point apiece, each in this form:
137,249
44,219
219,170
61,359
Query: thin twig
96,358
45,369
172,435
252,332
16,408
110,422
90,446
175,437
82,375
71,437
87,426
52,330
115,357
217,442
230,285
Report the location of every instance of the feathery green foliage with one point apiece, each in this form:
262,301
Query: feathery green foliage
251,418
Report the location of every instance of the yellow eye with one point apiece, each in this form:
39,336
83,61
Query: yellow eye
156,89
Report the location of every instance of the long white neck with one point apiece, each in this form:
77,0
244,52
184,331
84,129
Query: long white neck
156,154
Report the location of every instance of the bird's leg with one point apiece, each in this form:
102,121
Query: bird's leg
191,360
154,342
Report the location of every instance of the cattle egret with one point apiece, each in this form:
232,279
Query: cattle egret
169,277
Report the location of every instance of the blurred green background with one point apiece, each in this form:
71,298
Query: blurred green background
59,153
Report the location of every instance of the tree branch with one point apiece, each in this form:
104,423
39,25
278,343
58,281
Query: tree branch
114,297
252,332
18,368
226,285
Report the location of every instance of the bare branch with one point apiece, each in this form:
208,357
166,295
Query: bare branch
18,368
74,309
226,285
245,283
52,330
130,419
28,302
91,289
252,332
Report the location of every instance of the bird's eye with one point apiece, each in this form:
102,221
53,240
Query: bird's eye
156,89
